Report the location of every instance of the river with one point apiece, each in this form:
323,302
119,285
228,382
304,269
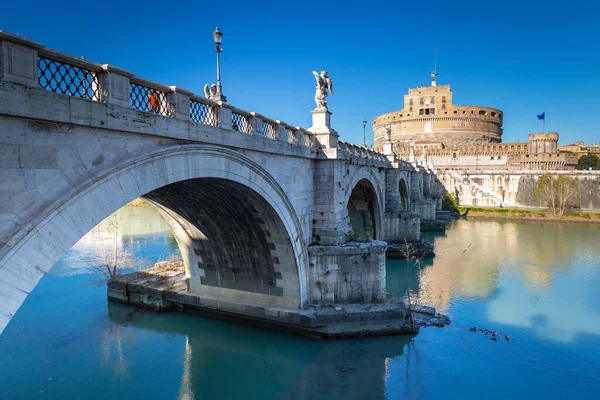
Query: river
537,283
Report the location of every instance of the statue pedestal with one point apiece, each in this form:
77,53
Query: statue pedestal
388,151
321,127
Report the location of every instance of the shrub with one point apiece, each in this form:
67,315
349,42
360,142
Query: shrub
449,203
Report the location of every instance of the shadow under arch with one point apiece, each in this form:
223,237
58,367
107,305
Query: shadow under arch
230,238
363,206
404,197
57,228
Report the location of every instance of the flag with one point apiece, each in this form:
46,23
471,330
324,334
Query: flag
542,116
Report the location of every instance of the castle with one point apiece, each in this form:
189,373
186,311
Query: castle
431,130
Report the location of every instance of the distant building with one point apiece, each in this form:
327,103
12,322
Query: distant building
430,117
581,149
443,135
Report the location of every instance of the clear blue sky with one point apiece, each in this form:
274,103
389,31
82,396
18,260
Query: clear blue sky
523,57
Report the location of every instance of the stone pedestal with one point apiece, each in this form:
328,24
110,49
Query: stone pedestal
114,83
321,127
18,60
224,115
180,101
388,151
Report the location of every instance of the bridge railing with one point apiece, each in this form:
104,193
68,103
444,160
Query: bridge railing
204,111
145,95
27,62
61,73
362,152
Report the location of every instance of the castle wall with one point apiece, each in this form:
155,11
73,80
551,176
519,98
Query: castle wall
429,115
516,188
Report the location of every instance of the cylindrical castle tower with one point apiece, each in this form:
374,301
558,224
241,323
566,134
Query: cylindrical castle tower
543,143
430,117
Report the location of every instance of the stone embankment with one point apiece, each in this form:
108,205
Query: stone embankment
528,215
164,288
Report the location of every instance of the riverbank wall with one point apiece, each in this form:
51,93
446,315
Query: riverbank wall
514,188
528,215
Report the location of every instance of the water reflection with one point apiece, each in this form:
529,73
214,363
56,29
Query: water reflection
229,360
529,275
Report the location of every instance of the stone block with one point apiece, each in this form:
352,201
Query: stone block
18,63
38,157
9,156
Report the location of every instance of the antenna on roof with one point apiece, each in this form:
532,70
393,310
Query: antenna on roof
434,74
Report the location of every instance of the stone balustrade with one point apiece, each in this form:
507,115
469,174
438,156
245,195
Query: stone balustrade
30,63
362,152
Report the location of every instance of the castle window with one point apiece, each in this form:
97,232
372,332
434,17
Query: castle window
410,102
433,100
443,99
472,111
410,109
453,155
421,100
492,157
444,106
481,112
421,111
493,114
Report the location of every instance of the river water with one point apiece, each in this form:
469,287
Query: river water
539,284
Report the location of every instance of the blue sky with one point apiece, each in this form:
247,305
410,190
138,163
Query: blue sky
523,57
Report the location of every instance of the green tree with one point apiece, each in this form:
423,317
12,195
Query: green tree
588,161
449,203
558,193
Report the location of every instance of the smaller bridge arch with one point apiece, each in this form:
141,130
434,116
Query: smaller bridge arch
364,204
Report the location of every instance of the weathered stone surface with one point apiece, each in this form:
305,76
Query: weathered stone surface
351,273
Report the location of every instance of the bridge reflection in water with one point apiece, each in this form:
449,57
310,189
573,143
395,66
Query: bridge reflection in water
228,360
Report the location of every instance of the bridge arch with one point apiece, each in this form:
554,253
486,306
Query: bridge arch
59,227
364,203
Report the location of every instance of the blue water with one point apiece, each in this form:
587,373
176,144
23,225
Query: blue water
537,283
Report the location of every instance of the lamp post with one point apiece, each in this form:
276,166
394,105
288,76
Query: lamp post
218,37
365,133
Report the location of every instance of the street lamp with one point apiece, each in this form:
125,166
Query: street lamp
218,37
365,133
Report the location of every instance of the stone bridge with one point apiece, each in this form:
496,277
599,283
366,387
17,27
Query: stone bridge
262,210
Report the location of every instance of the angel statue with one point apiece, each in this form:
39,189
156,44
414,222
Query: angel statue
388,133
209,92
323,84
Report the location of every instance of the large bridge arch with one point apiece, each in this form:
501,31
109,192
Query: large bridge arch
59,227
363,179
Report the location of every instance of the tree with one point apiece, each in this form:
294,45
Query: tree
588,161
113,259
449,203
558,193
